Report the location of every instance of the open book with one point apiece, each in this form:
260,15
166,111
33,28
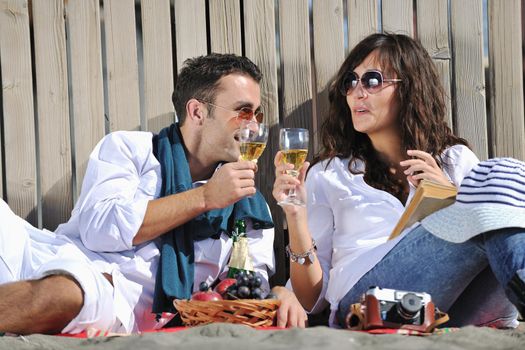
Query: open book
429,197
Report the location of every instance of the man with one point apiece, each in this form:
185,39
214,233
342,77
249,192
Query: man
142,195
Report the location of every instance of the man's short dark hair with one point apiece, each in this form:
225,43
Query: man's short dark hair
199,78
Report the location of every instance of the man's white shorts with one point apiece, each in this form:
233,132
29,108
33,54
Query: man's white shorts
30,253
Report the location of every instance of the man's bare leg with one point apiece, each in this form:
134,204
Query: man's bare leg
39,306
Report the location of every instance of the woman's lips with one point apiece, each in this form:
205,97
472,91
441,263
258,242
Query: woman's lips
360,110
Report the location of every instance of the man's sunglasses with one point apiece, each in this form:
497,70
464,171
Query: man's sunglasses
372,81
245,113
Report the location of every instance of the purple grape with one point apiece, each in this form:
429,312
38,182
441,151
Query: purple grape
257,293
243,281
203,286
243,292
257,282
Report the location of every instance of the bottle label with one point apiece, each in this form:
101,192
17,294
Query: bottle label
240,257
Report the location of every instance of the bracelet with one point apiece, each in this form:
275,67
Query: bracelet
301,258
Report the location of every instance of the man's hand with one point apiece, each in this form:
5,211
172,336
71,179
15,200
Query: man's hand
229,183
291,312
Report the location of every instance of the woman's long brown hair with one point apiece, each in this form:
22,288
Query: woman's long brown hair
421,117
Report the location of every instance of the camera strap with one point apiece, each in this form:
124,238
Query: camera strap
441,317
355,319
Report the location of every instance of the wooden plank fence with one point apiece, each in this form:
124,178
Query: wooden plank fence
72,71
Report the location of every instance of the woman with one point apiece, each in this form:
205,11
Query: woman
385,132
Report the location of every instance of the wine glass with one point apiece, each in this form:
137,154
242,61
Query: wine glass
293,143
252,138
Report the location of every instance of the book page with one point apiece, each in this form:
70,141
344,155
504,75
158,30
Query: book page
429,197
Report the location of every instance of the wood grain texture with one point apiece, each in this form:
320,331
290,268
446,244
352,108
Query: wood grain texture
398,16
469,79
87,95
328,17
158,64
54,140
259,27
225,26
363,20
18,109
190,29
296,67
121,64
432,31
506,87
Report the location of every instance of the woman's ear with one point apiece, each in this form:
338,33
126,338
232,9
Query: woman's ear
195,111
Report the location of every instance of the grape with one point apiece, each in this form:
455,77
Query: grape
247,286
203,286
243,292
257,293
243,281
257,282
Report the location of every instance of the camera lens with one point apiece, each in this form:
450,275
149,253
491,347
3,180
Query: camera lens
408,307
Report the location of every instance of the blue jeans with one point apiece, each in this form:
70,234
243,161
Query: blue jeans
468,280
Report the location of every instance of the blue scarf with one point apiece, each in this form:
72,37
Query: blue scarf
176,267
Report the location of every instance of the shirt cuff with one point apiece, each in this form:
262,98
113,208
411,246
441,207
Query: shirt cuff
135,220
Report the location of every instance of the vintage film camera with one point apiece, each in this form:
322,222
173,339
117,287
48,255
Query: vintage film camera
389,308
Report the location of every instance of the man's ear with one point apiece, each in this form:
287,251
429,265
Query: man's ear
195,111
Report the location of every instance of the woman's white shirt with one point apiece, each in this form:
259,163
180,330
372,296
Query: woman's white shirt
351,221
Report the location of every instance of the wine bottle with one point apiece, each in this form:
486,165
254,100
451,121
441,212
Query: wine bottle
240,259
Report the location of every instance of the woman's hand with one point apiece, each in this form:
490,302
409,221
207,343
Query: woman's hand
285,182
290,313
424,167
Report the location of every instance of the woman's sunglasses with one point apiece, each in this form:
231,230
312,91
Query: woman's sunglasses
244,113
372,81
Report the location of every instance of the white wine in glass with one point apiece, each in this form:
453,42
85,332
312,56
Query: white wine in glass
252,138
293,143
296,157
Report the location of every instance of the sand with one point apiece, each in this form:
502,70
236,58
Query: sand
229,337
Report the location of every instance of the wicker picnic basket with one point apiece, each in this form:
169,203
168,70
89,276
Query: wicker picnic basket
251,312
